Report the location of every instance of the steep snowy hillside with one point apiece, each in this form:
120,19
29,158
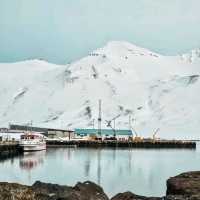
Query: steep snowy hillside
157,91
192,57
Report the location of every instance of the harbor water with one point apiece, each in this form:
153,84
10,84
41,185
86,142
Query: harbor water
142,171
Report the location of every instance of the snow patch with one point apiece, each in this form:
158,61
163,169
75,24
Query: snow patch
157,91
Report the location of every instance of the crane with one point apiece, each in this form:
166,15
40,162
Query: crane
109,124
155,133
137,138
99,119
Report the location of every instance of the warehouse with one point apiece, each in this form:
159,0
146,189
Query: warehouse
104,134
48,132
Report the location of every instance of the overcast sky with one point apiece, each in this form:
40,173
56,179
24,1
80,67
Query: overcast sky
61,31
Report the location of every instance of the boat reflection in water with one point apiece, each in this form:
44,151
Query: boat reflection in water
31,160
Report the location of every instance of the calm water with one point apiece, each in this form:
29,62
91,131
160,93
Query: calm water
138,170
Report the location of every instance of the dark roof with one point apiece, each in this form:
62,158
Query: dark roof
39,129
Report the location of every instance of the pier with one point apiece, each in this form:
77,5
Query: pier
9,149
163,144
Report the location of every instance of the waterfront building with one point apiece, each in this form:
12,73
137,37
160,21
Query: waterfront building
10,135
105,134
48,132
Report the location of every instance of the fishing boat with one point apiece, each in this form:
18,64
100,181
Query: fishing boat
32,142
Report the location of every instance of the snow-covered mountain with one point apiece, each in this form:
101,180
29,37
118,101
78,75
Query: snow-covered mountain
157,91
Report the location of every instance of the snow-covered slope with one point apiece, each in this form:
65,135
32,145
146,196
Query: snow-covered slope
157,91
192,57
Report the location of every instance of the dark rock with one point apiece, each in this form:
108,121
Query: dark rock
81,191
46,191
184,184
131,196
89,191
182,197
54,191
10,191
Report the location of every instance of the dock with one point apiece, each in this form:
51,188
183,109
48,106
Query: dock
164,144
9,149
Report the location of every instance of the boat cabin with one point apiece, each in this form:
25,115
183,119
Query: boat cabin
31,136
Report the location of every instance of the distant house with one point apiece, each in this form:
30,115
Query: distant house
49,132
8,135
105,134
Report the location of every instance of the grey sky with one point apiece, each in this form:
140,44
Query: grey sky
64,30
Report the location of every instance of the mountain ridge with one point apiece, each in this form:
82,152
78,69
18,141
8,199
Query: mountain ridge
156,90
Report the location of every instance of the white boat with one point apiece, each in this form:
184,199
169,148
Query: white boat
32,142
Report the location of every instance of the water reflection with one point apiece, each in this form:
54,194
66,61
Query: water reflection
31,160
98,170
141,171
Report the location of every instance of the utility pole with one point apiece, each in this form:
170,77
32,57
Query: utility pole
93,123
129,122
31,128
114,128
130,126
99,119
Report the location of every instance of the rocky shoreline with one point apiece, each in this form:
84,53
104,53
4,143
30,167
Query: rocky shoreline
185,186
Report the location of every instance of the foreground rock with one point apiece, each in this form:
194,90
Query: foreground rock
81,191
131,196
45,191
185,186
10,191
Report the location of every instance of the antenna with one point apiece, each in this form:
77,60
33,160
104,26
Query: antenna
31,126
129,122
131,127
93,121
99,118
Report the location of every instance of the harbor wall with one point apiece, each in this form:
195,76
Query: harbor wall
123,144
9,149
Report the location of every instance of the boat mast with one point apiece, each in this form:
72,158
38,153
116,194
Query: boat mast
99,119
31,126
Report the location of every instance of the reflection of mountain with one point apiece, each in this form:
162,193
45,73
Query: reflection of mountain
31,160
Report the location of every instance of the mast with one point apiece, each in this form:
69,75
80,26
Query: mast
99,119
129,122
31,126
93,123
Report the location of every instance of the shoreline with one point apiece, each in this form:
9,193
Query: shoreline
181,187
165,144
9,150
12,149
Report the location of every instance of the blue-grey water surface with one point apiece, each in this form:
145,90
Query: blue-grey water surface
141,171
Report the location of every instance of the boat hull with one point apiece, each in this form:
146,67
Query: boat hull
32,142
33,147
